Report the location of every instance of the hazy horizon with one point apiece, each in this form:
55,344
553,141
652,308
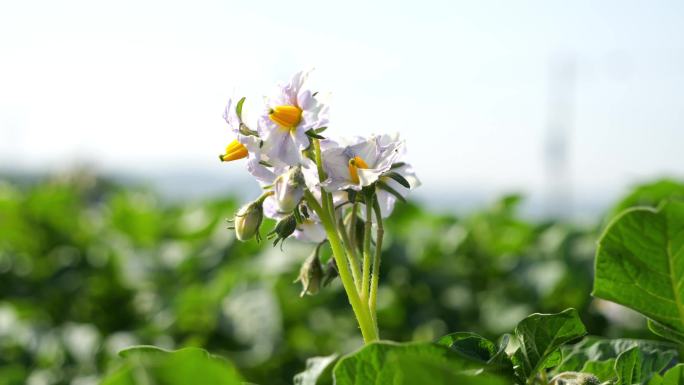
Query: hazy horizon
491,96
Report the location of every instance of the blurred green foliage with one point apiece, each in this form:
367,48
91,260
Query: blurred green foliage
89,267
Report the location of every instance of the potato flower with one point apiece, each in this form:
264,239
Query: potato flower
289,114
359,162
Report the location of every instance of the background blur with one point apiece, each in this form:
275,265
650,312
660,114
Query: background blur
562,101
113,202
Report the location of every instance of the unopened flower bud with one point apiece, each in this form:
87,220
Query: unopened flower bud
283,229
248,220
310,275
289,190
330,272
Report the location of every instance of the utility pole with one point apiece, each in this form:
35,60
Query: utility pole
559,125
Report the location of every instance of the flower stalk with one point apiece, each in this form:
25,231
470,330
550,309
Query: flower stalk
375,277
360,309
365,287
351,253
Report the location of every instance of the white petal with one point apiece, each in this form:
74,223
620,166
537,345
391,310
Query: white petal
271,208
305,99
310,231
230,116
310,172
281,148
369,175
386,202
300,139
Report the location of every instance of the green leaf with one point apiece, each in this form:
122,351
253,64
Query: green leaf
666,332
480,349
603,370
628,367
469,345
238,108
179,367
640,264
674,376
540,337
500,357
651,194
600,350
312,134
635,367
388,363
318,371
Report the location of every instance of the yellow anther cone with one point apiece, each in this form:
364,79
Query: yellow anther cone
355,164
287,117
234,151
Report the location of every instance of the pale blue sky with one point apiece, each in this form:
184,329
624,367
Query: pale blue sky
141,85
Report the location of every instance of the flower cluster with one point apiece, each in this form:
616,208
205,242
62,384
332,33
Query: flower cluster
318,189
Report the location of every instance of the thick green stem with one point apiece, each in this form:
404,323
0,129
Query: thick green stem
375,278
365,286
360,309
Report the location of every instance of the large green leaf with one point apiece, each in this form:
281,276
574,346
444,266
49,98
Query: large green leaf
635,367
651,194
152,365
640,263
540,337
388,363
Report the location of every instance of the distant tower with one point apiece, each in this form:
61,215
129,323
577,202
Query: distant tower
559,122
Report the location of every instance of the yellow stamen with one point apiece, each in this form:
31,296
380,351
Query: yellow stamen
287,117
234,151
355,164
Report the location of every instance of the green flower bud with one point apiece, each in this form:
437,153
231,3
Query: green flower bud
330,272
248,220
283,229
310,275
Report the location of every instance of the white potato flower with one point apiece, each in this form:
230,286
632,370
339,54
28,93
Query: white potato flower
289,114
358,162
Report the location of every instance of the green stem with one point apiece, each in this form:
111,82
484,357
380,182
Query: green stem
360,309
319,161
351,253
365,278
352,225
375,278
